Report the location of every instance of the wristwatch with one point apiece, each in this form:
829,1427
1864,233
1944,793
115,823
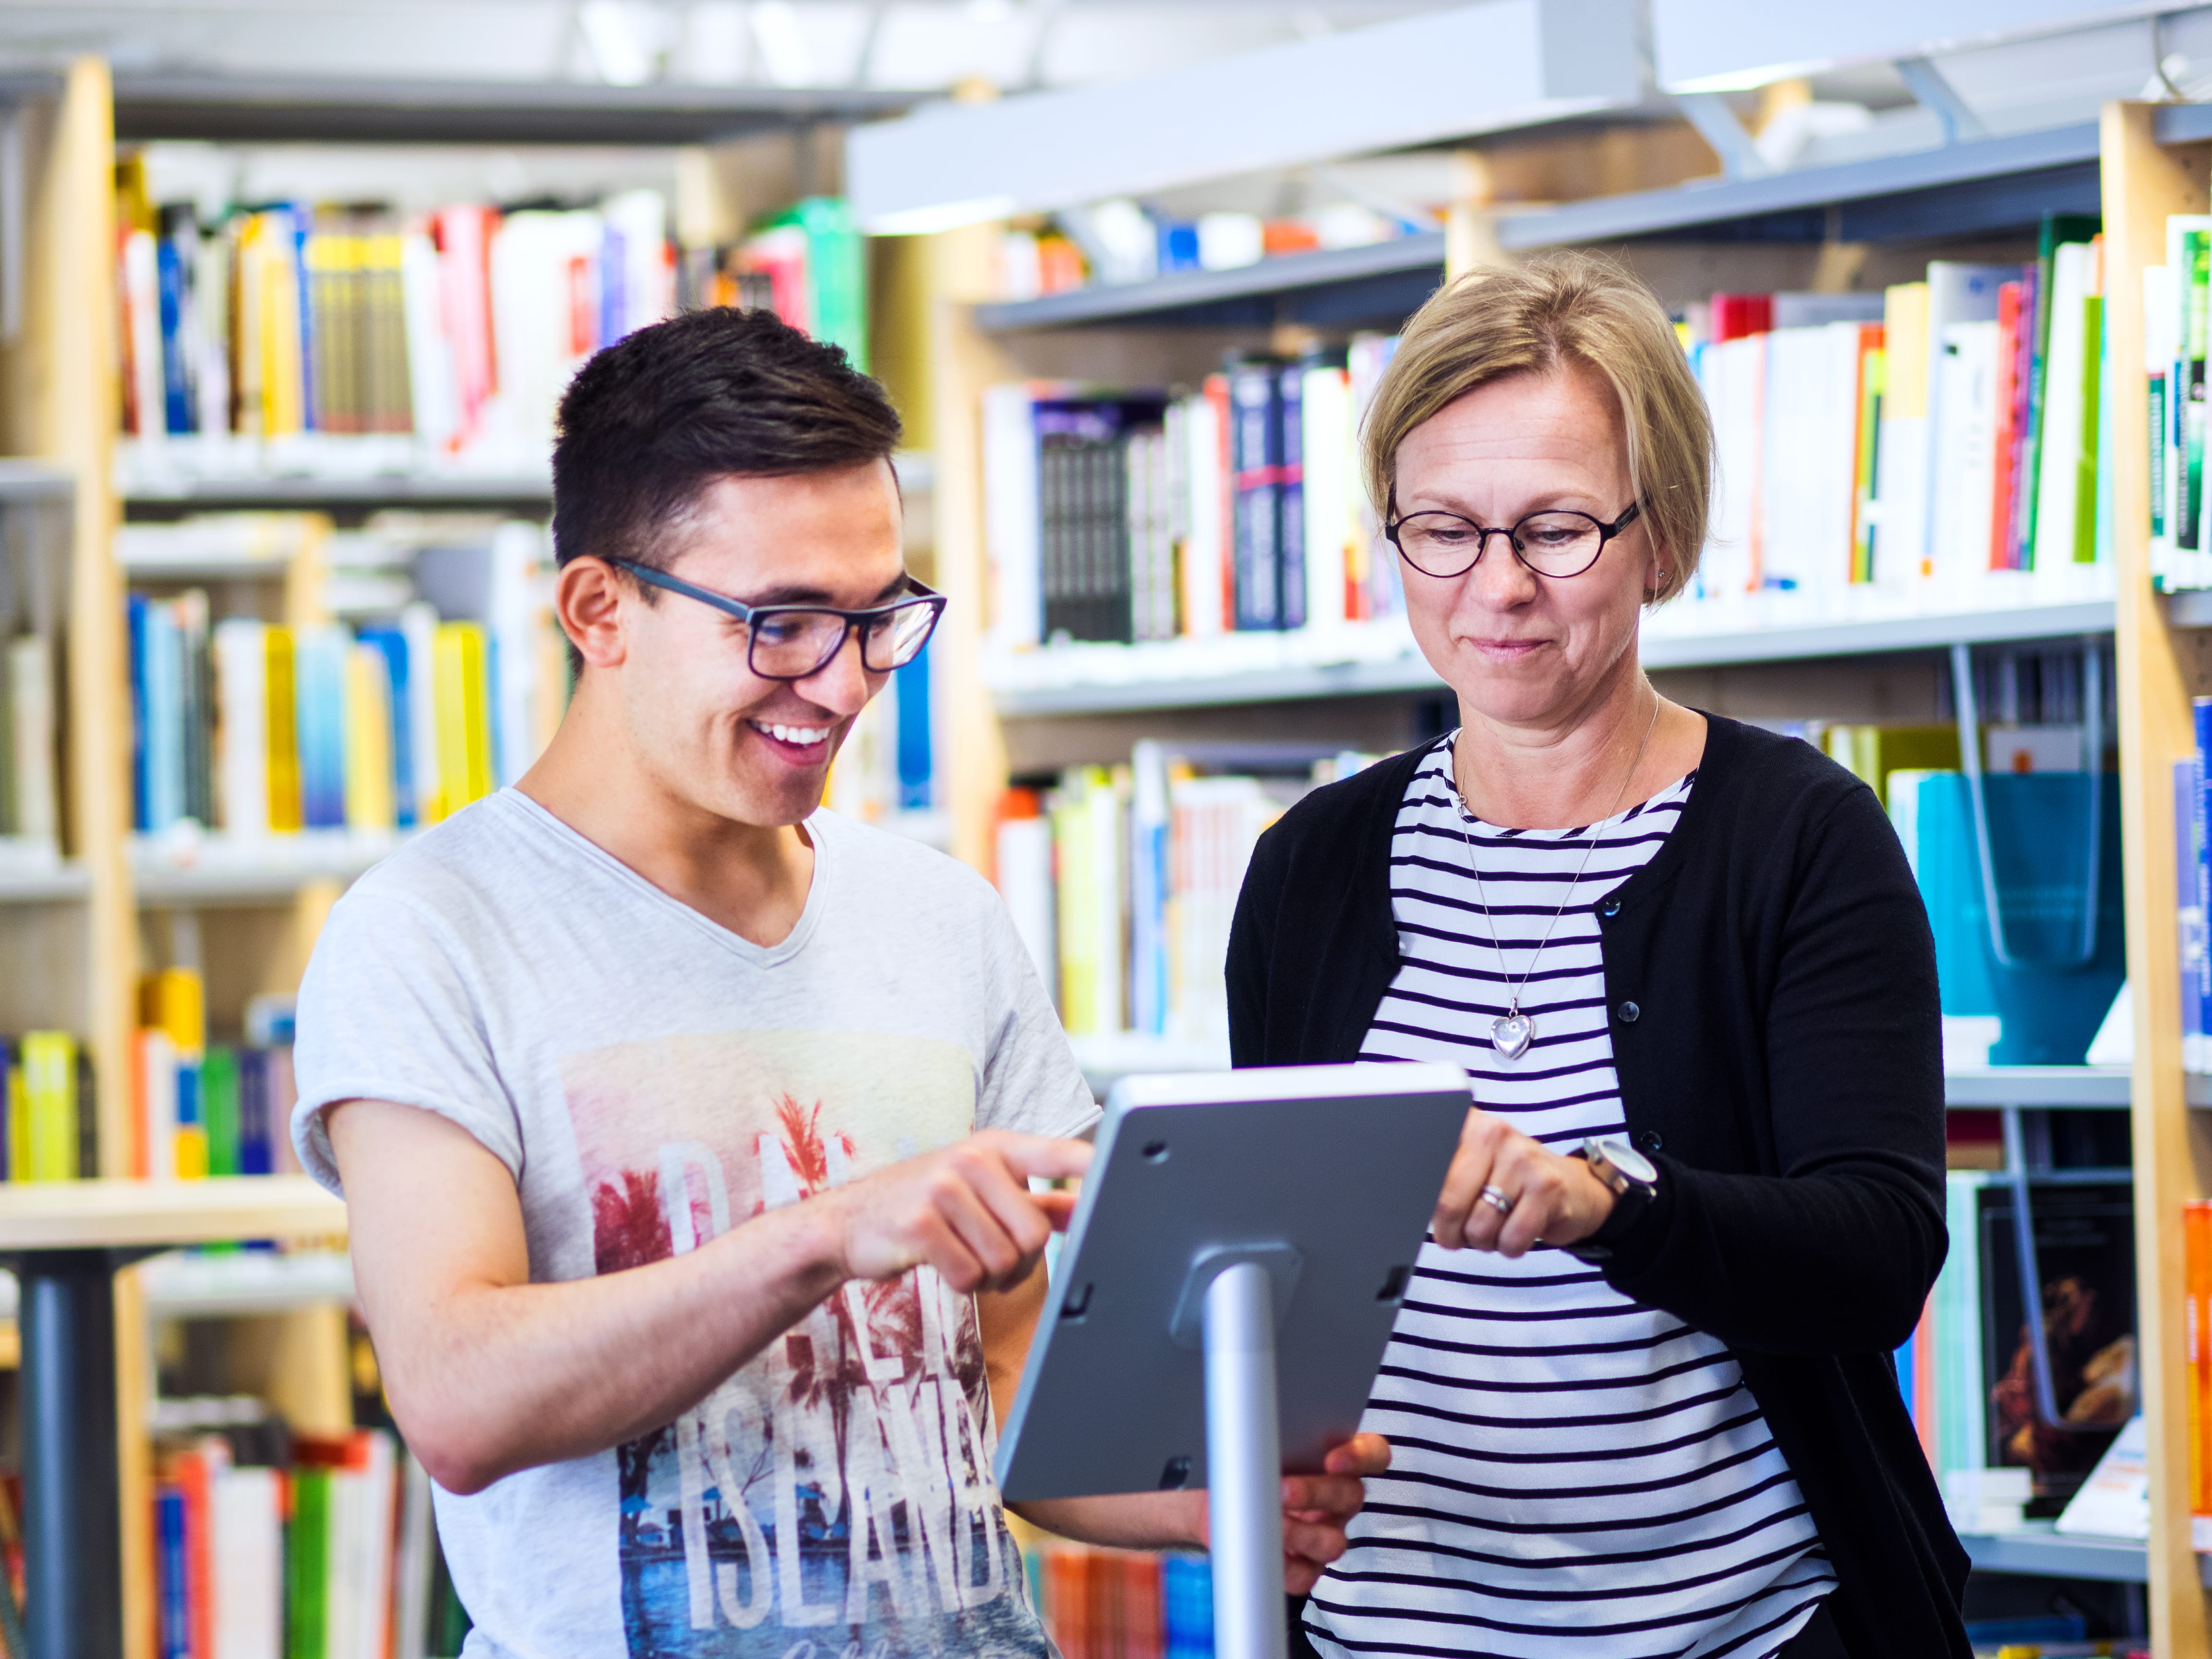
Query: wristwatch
1634,1180
1621,1167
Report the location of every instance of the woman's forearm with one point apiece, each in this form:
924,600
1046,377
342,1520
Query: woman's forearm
1836,1261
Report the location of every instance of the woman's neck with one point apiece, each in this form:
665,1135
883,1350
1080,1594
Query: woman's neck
1620,748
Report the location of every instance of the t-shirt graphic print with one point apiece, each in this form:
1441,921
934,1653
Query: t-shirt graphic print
833,1498
650,1080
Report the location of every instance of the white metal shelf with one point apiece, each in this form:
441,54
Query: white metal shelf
33,481
33,873
1352,284
217,870
1368,660
1106,1056
2057,1087
367,109
372,490
2039,1551
1962,189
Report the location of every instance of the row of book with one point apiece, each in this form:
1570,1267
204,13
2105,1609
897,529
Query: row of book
1122,1604
30,785
274,1545
1123,881
2192,860
2174,352
458,328
1933,446
1968,1371
1147,516
200,1108
886,771
1121,241
52,1121
257,729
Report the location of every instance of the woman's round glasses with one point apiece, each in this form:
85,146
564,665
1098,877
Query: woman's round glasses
1553,543
797,641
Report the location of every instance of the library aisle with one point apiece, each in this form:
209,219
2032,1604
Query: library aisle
286,313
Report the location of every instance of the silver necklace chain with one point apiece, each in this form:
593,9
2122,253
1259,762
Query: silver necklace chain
1511,1032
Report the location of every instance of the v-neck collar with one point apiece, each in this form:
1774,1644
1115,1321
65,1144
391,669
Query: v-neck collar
759,955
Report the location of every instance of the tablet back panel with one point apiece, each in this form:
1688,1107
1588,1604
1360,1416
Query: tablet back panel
1341,1163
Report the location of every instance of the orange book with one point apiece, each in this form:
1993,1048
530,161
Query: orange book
2196,1291
1923,1381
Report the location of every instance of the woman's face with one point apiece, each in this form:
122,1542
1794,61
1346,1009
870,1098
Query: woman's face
1520,648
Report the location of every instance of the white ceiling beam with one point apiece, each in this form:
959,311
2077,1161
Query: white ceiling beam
1442,75
1724,45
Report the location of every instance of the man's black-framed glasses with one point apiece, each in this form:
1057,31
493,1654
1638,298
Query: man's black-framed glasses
1555,543
797,641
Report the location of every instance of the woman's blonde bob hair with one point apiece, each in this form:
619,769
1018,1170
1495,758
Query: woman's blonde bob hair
1561,309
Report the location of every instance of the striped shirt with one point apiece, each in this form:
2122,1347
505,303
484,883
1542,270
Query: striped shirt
1575,1474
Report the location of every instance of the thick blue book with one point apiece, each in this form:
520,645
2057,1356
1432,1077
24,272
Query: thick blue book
393,644
135,616
318,719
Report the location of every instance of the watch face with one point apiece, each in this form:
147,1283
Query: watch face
1629,1161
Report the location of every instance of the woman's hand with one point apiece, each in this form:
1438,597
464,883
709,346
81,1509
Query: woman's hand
1554,1199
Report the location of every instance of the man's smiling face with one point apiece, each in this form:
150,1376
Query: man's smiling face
710,732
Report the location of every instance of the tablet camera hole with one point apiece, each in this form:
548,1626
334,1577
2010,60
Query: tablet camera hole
1394,1285
1156,1151
1176,1475
1078,1305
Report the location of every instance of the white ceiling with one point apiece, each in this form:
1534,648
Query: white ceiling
913,43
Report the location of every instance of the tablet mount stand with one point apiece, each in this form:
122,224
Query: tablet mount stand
1231,1302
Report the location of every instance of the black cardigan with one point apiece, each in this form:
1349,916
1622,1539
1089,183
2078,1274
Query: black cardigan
1775,1026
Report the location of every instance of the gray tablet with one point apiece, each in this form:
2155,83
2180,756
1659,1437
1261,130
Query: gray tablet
1329,1173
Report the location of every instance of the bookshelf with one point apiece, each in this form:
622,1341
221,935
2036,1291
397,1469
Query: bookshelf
1035,711
75,936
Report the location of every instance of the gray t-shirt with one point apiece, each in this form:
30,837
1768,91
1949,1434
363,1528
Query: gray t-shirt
651,1080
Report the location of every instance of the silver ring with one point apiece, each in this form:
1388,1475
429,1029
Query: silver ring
1496,1201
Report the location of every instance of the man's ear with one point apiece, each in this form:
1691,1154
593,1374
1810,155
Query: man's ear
588,600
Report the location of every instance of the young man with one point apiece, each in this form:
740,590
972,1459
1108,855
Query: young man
681,1123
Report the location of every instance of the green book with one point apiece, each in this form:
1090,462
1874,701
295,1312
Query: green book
837,271
308,1566
2089,497
219,1109
2057,228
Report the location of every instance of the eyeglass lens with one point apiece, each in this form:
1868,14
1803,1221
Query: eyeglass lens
1560,544
792,643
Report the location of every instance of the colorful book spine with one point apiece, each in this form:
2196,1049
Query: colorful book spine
2189,910
463,716
52,1152
2197,1330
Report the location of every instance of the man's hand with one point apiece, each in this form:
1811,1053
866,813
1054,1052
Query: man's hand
1554,1199
967,1211
1317,1508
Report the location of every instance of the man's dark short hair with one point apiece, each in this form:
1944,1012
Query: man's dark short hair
650,422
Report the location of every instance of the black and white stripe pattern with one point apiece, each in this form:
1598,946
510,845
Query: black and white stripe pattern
1575,1474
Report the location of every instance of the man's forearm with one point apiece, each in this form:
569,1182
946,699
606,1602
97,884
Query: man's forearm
503,1377
1136,1521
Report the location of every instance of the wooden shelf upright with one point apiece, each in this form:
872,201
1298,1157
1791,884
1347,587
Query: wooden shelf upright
2159,667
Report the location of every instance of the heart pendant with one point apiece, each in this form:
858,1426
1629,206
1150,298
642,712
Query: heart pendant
1509,1033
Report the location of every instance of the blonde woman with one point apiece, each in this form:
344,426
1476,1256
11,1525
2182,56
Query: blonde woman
1640,1392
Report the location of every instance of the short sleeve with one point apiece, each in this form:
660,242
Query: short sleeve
1031,1080
389,1010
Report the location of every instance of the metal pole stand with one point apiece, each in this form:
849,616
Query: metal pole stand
1244,1464
72,1515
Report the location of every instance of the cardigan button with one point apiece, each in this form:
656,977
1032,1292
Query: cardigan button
1628,1012
1609,908
1651,1141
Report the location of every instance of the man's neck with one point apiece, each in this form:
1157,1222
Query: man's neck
749,879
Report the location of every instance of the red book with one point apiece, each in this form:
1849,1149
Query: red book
2001,555
1735,315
